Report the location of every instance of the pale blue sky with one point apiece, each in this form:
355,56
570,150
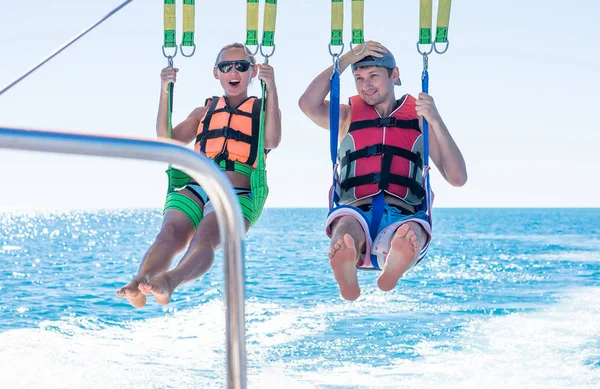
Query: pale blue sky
517,89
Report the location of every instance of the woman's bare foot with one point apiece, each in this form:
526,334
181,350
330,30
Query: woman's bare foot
403,249
132,293
342,258
159,287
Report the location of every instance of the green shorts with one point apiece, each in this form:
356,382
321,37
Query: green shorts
190,208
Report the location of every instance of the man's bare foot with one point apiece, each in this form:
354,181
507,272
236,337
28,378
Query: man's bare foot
342,258
403,249
132,293
159,287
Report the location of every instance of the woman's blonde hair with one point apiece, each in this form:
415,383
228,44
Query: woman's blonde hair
236,46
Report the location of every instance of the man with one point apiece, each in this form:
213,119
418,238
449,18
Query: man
382,212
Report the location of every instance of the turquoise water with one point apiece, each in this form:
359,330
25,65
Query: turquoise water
505,298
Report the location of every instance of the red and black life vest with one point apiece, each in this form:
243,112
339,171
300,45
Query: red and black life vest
382,154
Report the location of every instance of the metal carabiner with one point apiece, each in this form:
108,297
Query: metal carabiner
266,56
424,52
364,46
166,55
332,53
252,53
188,55
443,51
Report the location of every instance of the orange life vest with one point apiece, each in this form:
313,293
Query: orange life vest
230,134
382,154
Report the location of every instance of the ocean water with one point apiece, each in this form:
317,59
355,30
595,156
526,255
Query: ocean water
506,298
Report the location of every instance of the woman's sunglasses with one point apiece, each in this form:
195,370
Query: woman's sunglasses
240,66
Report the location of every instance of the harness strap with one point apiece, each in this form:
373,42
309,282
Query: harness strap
235,111
376,178
256,120
412,124
234,166
380,149
225,132
334,128
206,121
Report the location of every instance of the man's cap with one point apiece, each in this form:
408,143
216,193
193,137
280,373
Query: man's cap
387,61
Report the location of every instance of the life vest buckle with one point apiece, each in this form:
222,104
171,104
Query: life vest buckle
374,150
386,122
229,109
230,133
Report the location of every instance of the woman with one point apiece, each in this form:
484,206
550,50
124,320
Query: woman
225,130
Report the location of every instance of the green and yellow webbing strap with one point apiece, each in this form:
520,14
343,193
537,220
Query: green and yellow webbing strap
270,16
170,22
189,16
268,38
443,21
337,24
252,24
358,25
426,21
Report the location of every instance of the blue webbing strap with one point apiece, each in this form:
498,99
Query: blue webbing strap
334,128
